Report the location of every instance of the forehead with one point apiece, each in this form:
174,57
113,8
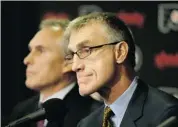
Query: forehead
89,35
46,37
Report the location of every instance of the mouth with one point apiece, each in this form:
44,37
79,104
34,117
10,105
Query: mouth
83,79
80,81
79,75
29,73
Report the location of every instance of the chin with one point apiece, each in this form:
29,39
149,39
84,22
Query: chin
31,85
83,92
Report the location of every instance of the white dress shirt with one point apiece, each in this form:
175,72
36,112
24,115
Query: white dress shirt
120,105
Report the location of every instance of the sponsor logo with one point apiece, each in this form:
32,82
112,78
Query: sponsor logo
164,60
132,18
167,17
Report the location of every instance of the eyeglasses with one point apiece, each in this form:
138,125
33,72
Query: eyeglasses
85,52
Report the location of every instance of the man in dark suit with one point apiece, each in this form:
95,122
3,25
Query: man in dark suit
49,74
102,53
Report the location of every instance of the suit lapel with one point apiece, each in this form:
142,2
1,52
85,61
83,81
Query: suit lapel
97,122
135,107
73,94
100,117
127,121
31,105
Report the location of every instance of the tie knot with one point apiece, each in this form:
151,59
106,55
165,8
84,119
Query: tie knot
108,112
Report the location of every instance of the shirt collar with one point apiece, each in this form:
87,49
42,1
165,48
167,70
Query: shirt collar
120,105
60,94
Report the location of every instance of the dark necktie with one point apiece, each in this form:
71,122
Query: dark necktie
107,117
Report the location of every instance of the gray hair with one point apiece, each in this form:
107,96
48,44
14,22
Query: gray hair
55,24
82,21
117,30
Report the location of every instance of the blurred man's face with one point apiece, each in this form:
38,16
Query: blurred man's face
45,60
96,70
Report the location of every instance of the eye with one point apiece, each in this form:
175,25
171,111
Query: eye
40,49
84,50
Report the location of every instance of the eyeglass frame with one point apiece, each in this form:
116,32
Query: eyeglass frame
90,49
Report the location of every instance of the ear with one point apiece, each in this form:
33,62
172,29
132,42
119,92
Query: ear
67,67
121,51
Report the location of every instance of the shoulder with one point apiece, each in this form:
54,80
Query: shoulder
156,96
22,108
28,102
160,105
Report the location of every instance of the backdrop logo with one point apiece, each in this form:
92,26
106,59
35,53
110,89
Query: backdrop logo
86,9
132,18
164,60
168,17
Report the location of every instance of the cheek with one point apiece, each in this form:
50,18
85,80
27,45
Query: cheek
104,65
51,68
105,72
105,69
54,69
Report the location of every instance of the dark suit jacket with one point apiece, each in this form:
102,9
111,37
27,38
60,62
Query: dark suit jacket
77,108
148,107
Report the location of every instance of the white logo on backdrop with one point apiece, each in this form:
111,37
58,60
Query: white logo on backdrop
167,17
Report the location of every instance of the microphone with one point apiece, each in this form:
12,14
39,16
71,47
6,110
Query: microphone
170,122
52,110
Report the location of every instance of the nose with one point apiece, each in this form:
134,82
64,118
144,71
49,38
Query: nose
28,59
78,64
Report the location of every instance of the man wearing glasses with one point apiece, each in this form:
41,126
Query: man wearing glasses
102,53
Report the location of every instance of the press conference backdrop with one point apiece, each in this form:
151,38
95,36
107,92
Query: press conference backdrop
154,26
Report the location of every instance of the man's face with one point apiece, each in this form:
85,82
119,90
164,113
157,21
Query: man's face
45,60
96,70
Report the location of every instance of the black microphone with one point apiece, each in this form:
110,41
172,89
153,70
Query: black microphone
170,122
52,110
